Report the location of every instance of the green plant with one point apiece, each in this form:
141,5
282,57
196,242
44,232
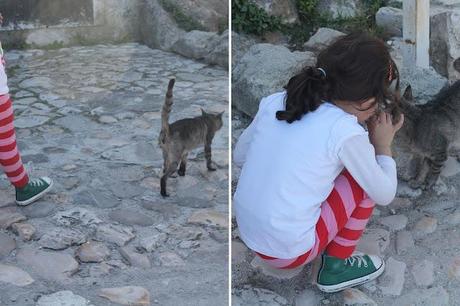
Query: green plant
247,17
183,21
307,9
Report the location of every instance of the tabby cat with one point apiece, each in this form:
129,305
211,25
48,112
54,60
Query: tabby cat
432,132
182,136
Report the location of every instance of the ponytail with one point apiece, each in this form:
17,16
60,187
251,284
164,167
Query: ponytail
305,92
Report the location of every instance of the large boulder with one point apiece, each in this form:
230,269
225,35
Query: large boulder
208,46
445,43
158,29
390,19
240,45
322,39
211,15
425,83
340,8
285,9
264,70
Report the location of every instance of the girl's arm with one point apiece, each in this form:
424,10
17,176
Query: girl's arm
375,174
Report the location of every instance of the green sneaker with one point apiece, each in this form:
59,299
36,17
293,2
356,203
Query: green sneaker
337,274
34,190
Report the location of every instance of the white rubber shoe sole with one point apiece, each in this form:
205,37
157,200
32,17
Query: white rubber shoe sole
38,195
353,282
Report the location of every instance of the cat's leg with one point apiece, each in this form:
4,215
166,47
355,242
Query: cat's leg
423,170
183,164
172,167
436,163
207,152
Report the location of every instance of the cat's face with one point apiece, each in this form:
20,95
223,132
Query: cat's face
215,118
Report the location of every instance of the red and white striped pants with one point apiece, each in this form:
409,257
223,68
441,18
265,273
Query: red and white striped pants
344,216
10,159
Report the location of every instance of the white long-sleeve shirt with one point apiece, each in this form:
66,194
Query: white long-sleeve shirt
288,170
3,79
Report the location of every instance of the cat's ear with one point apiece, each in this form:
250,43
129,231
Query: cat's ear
203,113
408,93
221,113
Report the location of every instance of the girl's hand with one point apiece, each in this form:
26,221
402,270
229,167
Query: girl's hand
382,132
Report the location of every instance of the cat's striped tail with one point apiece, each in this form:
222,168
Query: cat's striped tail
167,108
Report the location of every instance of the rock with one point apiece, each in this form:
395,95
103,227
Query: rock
308,297
209,218
76,216
8,216
119,235
211,15
219,55
25,122
453,218
425,82
257,296
152,242
170,259
392,280
92,251
426,225
196,44
404,242
39,210
280,274
423,273
24,230
135,259
390,19
96,198
49,265
451,167
130,217
340,8
130,295
61,238
395,222
420,297
445,43
107,119
15,276
7,245
100,270
454,268
401,203
286,10
239,252
240,45
159,29
374,241
322,39
352,297
63,298
262,71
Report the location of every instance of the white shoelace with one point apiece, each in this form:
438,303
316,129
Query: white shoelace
356,258
36,183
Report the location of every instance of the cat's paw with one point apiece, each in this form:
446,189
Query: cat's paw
181,172
415,184
212,168
164,194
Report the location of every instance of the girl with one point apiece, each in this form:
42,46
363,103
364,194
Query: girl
27,190
311,173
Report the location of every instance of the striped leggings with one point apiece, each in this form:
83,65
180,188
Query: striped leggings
10,159
344,216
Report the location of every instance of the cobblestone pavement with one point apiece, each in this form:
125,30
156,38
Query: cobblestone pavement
89,117
417,235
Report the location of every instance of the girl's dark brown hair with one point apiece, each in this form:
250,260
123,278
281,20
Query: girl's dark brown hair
358,66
